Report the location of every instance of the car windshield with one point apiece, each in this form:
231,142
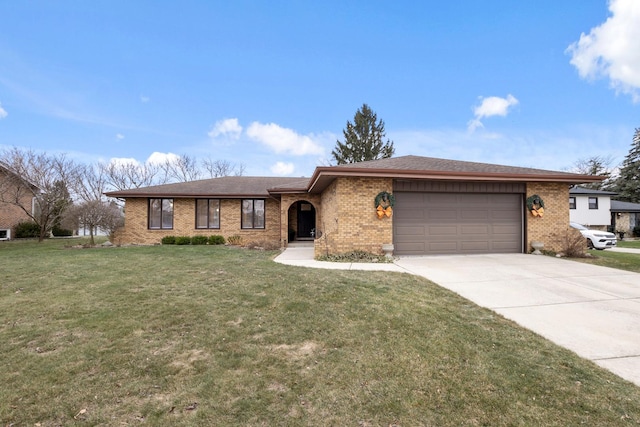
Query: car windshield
578,226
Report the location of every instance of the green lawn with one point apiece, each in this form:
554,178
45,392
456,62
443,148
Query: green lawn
206,335
629,244
619,260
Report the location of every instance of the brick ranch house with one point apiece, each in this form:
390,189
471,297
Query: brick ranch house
441,207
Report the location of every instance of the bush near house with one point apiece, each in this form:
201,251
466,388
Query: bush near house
199,240
27,229
183,240
216,240
61,232
168,240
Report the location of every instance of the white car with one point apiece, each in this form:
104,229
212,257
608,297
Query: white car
596,239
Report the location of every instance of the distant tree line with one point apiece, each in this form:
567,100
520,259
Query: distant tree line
56,192
623,179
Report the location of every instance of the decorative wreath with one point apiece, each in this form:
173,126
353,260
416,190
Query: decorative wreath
535,205
384,204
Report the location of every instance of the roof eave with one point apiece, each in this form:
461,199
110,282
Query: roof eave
127,195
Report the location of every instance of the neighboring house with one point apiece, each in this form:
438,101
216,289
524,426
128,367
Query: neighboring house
591,208
10,214
441,207
625,217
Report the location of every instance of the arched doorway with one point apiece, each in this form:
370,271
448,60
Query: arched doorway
302,221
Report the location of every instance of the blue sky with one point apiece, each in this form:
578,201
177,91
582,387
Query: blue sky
271,84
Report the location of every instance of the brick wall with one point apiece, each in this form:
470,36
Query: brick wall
10,214
136,230
553,228
349,220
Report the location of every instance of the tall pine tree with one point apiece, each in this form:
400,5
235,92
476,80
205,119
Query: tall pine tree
363,139
628,183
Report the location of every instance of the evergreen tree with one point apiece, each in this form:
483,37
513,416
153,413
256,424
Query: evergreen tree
363,139
628,183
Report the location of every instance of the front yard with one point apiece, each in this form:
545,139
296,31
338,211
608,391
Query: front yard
207,335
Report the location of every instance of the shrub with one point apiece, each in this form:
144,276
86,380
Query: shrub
61,232
199,240
27,229
169,240
355,256
235,240
216,240
183,240
574,244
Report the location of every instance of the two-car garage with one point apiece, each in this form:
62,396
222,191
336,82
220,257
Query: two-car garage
458,218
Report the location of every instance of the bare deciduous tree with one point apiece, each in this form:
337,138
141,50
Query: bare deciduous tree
180,169
93,215
597,165
128,175
37,183
218,168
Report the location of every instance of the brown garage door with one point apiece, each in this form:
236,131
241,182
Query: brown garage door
457,223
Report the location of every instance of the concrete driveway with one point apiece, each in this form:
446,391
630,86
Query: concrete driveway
593,311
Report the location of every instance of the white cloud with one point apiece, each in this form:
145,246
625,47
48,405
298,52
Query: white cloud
158,158
491,106
283,140
119,136
282,169
3,112
612,49
121,161
229,128
144,99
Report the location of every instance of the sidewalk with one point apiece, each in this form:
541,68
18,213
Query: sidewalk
627,250
302,256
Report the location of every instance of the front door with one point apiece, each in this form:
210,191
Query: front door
306,220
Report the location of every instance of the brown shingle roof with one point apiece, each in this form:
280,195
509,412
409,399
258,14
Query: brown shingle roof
419,163
417,167
228,187
404,167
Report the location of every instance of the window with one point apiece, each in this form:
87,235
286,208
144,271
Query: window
207,213
252,213
160,214
593,203
572,202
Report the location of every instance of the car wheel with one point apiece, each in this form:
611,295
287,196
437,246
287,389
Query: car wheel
589,244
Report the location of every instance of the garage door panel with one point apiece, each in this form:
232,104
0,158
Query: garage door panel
508,230
471,246
474,229
414,248
411,231
409,215
441,214
448,223
442,247
441,230
474,215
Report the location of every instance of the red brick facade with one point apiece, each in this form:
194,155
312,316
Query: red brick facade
10,214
